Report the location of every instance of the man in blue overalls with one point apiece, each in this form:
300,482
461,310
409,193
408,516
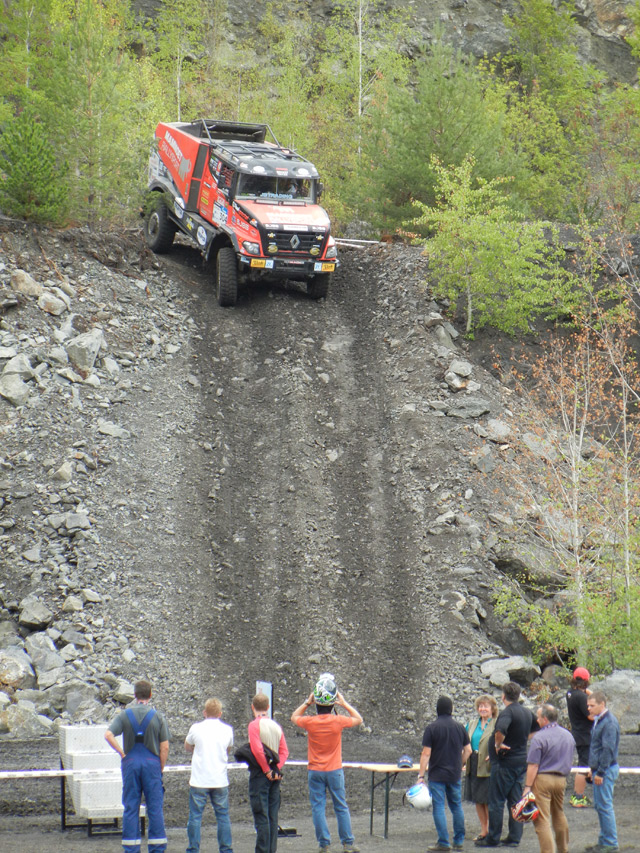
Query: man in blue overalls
146,748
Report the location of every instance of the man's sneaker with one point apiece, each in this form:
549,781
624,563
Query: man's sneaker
484,842
579,802
350,848
326,849
457,846
437,846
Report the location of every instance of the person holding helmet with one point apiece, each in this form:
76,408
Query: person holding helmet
325,773
581,725
445,749
548,765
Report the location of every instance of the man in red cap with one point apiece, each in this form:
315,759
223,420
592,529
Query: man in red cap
581,726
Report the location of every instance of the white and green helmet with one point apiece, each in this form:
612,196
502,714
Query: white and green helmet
325,690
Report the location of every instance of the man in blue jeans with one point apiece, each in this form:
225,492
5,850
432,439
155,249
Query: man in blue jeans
324,731
603,761
445,749
210,741
508,758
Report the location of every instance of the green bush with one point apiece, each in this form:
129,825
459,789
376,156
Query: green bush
32,184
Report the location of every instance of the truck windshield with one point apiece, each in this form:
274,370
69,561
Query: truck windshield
266,186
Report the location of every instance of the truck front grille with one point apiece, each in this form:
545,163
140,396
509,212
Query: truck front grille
298,242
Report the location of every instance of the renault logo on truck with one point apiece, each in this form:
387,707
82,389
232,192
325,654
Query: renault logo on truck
294,242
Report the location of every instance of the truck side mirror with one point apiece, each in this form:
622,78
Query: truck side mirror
319,189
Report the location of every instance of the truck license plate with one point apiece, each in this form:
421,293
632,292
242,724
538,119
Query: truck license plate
328,267
261,262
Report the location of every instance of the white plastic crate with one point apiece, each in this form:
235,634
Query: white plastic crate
97,795
94,796
82,739
109,760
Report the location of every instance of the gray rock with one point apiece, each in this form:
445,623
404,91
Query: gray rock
498,431
32,555
90,596
517,668
24,722
622,689
123,693
108,428
15,669
460,367
83,349
34,614
64,474
470,407
22,282
483,460
540,446
527,561
72,604
52,304
9,635
455,382
20,366
13,389
43,652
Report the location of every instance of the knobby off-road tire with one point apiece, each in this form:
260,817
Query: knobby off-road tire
159,230
318,287
226,277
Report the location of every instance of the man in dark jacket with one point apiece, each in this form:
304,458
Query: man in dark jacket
265,739
581,725
445,749
508,757
603,761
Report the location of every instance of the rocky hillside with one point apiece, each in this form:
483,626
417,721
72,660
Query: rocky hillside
207,496
475,26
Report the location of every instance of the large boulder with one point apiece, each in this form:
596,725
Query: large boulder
622,689
83,349
13,389
23,721
15,669
34,614
515,668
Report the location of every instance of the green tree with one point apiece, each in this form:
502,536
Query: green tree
31,180
449,111
94,95
182,32
506,270
544,50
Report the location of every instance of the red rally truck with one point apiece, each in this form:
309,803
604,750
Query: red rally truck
250,204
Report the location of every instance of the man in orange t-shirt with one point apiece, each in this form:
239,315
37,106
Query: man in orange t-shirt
324,732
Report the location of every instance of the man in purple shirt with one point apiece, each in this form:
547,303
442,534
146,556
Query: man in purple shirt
548,765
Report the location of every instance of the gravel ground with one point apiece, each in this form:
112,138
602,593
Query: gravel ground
409,831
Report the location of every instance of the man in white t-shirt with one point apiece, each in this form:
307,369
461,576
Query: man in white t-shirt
210,741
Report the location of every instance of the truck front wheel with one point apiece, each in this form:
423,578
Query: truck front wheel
318,286
159,230
226,277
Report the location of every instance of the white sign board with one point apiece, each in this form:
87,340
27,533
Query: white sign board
266,687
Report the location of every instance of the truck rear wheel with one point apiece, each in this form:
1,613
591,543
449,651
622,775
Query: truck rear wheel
318,287
159,230
226,277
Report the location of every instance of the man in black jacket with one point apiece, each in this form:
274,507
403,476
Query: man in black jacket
581,725
445,749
